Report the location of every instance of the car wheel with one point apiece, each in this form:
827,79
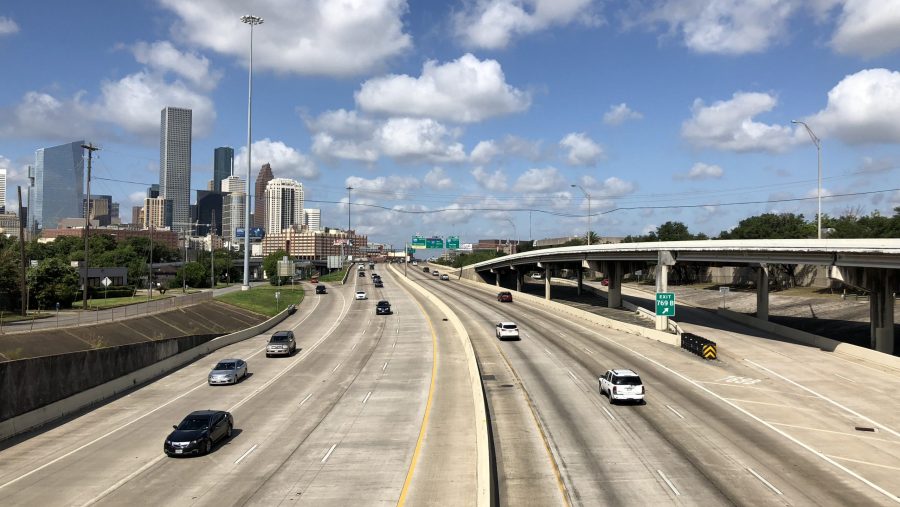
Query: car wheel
611,400
228,433
207,446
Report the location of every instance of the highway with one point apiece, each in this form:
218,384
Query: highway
365,413
770,423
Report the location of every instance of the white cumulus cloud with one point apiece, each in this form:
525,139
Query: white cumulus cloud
862,108
419,138
486,151
465,90
390,187
162,55
286,161
437,178
619,114
492,24
868,28
540,180
583,151
729,125
701,171
8,26
318,37
495,181
609,188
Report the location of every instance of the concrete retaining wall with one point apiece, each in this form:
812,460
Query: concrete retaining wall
99,393
827,344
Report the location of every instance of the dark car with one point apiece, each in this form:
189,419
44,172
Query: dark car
425,269
383,308
504,297
362,274
378,283
320,289
198,432
604,282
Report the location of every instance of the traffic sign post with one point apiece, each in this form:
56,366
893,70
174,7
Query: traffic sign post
665,304
724,291
106,281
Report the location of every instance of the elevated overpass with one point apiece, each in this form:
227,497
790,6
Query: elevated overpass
869,263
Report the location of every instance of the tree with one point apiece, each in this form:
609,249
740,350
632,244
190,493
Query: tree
53,281
270,267
669,231
195,273
772,226
10,264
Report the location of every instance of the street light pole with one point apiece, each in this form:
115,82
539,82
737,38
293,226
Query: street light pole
252,21
818,143
589,211
349,189
512,249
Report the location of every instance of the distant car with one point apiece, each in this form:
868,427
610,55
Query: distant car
425,269
362,274
504,297
282,343
198,432
604,282
320,289
415,263
536,276
622,385
228,371
445,277
361,294
371,265
314,279
435,273
378,283
507,330
383,308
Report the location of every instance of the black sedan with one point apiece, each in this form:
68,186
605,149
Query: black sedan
198,432
383,308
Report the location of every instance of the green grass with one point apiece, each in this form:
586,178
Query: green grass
337,276
15,317
261,298
104,303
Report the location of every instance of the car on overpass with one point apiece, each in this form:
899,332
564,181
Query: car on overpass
228,371
622,385
507,330
282,343
199,432
383,307
504,297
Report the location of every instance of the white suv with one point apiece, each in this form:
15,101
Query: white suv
361,294
507,330
622,385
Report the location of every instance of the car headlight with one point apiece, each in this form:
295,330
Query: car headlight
168,442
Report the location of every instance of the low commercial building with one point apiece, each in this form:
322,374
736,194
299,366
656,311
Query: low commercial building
313,245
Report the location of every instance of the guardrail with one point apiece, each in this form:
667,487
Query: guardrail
698,345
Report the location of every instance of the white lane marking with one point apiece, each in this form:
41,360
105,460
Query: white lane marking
384,367
829,400
736,407
862,462
393,345
671,486
608,413
845,378
125,479
247,453
674,411
573,376
328,454
548,352
367,397
354,346
767,483
757,402
743,386
846,434
336,367
308,396
589,351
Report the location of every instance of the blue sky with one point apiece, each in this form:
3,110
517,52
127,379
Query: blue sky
475,117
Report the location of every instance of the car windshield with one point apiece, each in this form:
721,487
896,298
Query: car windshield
225,366
509,326
627,381
280,338
194,423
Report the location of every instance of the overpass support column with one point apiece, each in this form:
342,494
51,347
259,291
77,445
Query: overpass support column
662,283
547,283
580,281
520,280
881,309
614,294
762,292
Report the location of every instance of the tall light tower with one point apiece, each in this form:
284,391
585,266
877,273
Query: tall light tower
252,21
589,210
818,143
512,247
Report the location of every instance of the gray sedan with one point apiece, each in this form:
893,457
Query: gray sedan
228,371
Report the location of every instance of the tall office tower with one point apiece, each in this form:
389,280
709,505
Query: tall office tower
137,213
259,194
233,207
2,190
284,204
153,191
223,166
209,205
57,185
30,225
157,212
175,163
100,209
312,219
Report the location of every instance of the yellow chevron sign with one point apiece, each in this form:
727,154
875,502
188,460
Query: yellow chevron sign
709,351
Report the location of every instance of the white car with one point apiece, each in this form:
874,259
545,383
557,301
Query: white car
536,276
620,385
507,330
361,294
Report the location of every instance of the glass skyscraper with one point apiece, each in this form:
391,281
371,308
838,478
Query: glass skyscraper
223,166
57,190
175,163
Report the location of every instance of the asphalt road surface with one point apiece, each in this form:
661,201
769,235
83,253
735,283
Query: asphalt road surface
769,423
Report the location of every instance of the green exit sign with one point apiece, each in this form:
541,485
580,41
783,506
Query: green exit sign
665,304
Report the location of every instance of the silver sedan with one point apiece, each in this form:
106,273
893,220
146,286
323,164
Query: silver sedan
228,371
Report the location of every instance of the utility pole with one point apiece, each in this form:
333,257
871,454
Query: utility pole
22,255
150,271
349,189
87,223
212,253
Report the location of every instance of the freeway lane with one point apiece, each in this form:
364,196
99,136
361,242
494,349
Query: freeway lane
336,424
704,434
